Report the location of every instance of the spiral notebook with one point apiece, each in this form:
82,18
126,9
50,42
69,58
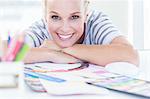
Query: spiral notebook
124,84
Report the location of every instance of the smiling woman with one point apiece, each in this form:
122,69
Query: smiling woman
70,33
66,24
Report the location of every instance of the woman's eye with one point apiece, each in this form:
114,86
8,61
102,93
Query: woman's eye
75,17
55,17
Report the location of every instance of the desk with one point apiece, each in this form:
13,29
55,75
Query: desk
24,92
29,94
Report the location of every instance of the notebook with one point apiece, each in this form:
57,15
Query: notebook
124,84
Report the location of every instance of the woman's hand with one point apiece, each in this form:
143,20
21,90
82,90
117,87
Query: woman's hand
60,57
44,54
49,51
49,44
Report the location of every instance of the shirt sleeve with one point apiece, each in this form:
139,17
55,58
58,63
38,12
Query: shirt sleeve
36,34
103,31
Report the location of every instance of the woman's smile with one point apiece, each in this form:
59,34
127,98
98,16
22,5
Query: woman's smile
65,37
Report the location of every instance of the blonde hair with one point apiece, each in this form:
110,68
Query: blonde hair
86,5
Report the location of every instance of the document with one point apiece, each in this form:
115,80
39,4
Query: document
72,87
52,67
11,67
9,72
8,81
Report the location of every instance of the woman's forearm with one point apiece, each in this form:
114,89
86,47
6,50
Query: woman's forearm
44,54
104,54
37,55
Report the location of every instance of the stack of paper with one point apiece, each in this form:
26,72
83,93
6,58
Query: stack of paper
9,73
33,80
61,79
72,88
7,81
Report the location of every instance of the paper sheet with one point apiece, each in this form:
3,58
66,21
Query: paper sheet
51,66
71,88
11,67
8,81
75,83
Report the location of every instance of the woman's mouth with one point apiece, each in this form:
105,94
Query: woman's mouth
65,36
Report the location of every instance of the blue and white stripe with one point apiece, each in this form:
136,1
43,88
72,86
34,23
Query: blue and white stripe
98,30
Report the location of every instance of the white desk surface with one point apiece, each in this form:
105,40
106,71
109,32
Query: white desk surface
24,92
29,94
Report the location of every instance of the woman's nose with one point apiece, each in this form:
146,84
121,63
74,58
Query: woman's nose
65,28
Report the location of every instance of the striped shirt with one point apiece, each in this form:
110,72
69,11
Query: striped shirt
99,30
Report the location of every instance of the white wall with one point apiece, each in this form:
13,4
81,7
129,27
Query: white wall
138,24
117,10
127,15
17,14
147,24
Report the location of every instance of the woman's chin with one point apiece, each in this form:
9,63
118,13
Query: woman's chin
65,45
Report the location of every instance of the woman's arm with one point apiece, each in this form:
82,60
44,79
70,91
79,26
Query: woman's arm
44,54
118,50
49,51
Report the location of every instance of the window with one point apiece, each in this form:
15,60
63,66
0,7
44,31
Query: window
128,15
17,14
146,24
139,19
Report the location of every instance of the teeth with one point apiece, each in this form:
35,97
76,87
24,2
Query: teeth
65,36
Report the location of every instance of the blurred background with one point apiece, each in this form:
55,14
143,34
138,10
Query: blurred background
130,16
16,15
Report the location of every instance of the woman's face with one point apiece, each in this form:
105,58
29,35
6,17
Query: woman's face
65,21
